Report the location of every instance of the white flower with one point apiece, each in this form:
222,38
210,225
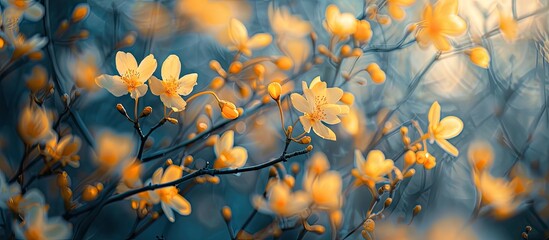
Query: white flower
36,225
7,191
170,199
171,86
30,9
132,77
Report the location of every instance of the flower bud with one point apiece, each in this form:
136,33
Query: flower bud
63,180
212,140
284,63
235,67
289,180
227,213
274,90
348,98
479,56
409,158
90,193
417,210
172,120
121,109
259,69
305,140
80,12
188,160
228,110
128,40
387,202
309,148
369,225
336,217
213,179
318,229
217,83
410,173
295,168
146,112
345,50
208,110
403,131
214,65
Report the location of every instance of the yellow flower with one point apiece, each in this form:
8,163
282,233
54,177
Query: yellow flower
227,155
169,196
84,72
171,86
131,174
339,24
132,77
438,23
37,226
284,24
239,40
65,150
24,46
373,169
281,201
508,26
319,105
394,7
363,31
34,125
498,193
441,130
37,81
113,149
30,9
479,56
481,156
324,187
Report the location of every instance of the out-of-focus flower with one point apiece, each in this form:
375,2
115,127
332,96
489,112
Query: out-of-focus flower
498,193
38,79
132,77
34,125
450,228
19,203
394,7
323,186
481,156
281,201
508,26
152,18
64,150
84,72
172,86
30,9
479,56
240,41
227,155
339,24
363,31
37,225
22,45
228,110
113,149
441,130
438,23
319,105
373,169
212,16
170,199
7,191
131,174
284,24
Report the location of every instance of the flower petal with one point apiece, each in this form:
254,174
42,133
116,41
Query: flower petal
125,62
451,127
322,131
448,147
171,68
181,205
240,156
139,91
359,161
237,32
176,103
300,103
306,122
333,95
34,12
434,114
225,142
157,176
157,87
146,68
259,40
168,212
187,83
172,173
113,84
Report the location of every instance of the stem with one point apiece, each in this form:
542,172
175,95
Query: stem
203,93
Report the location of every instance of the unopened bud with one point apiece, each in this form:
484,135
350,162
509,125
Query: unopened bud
172,120
295,168
318,229
208,110
345,50
80,12
235,67
274,90
212,140
63,179
309,148
387,202
217,83
369,225
348,98
146,112
410,173
417,210
305,140
90,193
284,63
121,109
227,213
188,160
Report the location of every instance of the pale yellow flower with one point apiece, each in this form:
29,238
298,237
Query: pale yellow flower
479,56
113,149
172,87
438,23
170,199
37,226
373,169
441,130
30,9
34,125
284,24
394,7
498,193
22,45
319,105
281,201
84,72
240,41
64,150
324,187
481,156
363,32
229,156
508,26
132,77
339,24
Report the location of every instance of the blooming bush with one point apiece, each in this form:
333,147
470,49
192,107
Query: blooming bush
215,119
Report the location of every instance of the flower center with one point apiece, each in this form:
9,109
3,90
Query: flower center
166,194
131,78
171,85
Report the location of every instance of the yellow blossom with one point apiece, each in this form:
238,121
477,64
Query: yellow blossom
439,22
479,56
441,130
498,193
171,86
319,104
113,149
281,201
323,186
37,225
169,196
30,9
132,77
284,24
373,169
84,72
227,155
240,41
481,156
508,26
24,46
34,125
7,191
38,79
394,7
363,31
339,24
65,150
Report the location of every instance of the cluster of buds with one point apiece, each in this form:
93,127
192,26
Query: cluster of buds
415,154
64,184
91,192
369,227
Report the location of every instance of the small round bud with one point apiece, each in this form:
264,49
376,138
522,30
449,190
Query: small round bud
172,120
348,98
227,213
146,111
410,173
409,158
404,131
217,83
295,168
528,228
259,70
235,67
417,210
284,63
80,12
214,65
169,162
213,179
228,110
305,140
188,160
345,50
318,229
90,193
387,202
309,148
369,225
121,109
